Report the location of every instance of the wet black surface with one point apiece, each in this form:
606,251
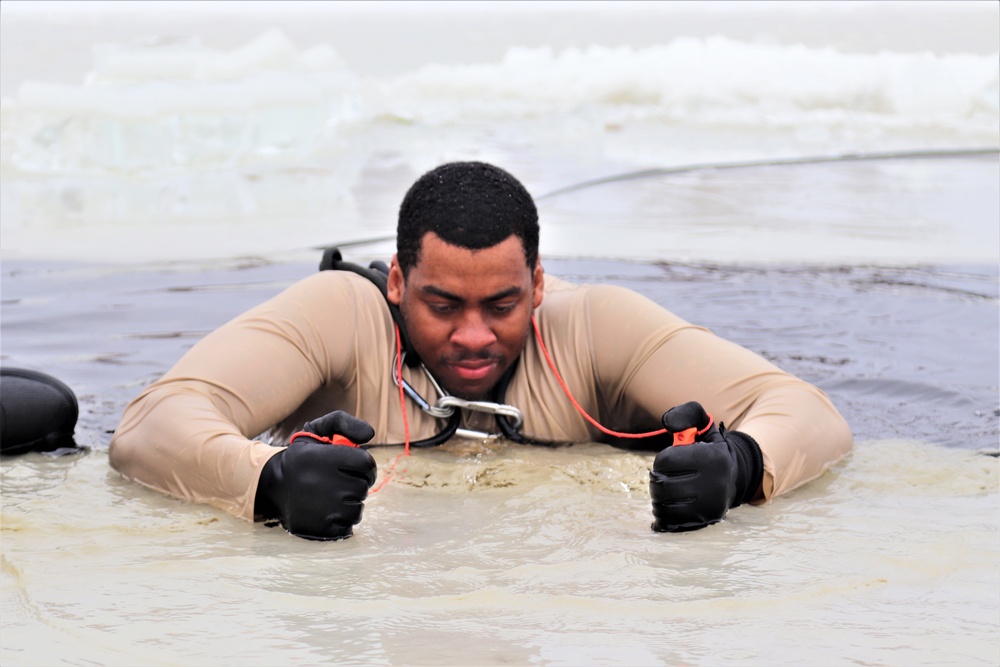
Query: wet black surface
903,352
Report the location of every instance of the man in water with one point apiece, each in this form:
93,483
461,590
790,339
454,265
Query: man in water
466,331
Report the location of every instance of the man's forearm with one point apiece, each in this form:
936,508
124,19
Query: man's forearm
177,443
800,433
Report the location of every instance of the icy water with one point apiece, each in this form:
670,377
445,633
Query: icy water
184,181
507,554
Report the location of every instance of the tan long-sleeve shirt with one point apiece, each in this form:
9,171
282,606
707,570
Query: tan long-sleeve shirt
328,343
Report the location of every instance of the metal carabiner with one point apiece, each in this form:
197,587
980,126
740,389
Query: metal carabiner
446,404
432,410
508,411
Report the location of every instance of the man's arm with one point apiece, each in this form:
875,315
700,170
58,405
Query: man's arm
174,440
651,361
189,433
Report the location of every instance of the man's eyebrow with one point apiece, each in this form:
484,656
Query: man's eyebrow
504,294
438,292
444,294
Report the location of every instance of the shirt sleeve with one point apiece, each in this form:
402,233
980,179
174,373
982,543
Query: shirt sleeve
190,434
648,360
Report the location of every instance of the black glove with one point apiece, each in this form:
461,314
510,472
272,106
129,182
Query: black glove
694,485
317,486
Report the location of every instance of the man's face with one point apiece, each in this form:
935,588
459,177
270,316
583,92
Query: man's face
468,313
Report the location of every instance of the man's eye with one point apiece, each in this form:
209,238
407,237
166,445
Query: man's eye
442,308
503,308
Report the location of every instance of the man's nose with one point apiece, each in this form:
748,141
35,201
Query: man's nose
473,333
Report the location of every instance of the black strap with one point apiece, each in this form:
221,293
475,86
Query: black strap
499,392
377,273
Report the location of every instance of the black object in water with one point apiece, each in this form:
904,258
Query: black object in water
38,413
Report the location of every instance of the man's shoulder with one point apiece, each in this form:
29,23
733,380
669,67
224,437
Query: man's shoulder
328,287
566,290
340,280
555,285
565,294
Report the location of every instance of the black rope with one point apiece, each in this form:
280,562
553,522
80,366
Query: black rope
720,166
779,162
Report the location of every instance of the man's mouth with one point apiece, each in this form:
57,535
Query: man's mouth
474,369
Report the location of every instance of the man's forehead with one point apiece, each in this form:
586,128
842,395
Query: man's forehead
473,275
432,241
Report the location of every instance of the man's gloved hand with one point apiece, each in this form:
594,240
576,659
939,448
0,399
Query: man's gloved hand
317,486
694,485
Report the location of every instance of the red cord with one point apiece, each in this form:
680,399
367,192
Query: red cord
602,429
562,383
337,439
402,394
402,405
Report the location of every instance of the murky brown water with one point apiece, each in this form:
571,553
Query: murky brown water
517,555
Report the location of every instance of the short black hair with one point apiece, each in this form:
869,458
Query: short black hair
471,205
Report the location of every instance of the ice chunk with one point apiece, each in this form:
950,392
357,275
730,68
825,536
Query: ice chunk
177,104
161,59
270,50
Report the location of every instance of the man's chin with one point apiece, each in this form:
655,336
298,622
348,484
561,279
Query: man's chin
469,392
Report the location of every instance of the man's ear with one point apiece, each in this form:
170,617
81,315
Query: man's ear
394,289
538,284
